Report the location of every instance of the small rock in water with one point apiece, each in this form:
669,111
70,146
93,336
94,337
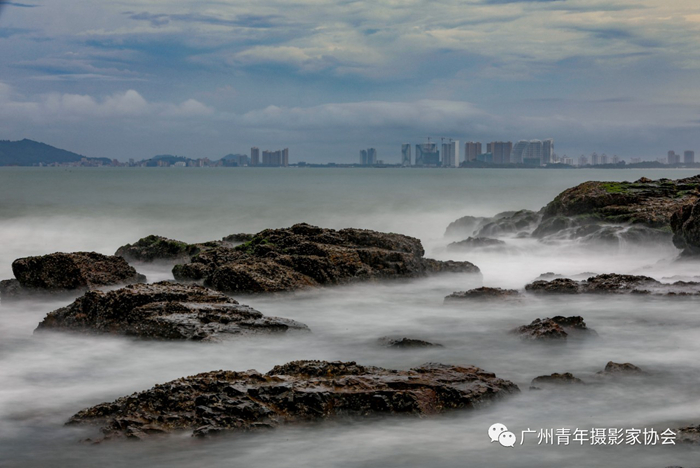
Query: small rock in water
614,284
475,243
554,380
299,391
483,293
614,369
555,328
406,343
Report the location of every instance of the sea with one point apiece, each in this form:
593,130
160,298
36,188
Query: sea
46,378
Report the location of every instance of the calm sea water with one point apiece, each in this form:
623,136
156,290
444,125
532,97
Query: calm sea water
47,378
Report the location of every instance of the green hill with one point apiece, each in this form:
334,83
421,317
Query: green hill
32,153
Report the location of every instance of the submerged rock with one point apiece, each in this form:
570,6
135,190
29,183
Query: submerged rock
299,391
406,343
555,328
471,243
615,369
163,311
505,223
304,256
614,284
67,272
482,293
555,380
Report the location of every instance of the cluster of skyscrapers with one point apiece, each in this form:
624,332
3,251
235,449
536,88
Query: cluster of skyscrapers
279,158
533,152
688,157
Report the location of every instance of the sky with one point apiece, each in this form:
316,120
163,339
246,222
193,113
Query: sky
137,78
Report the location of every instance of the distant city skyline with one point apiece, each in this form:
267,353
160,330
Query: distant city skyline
130,80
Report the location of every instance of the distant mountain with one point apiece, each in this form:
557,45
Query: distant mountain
32,153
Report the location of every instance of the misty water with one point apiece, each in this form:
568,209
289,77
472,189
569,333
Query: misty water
47,378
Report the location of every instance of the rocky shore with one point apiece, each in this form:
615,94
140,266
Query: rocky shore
299,391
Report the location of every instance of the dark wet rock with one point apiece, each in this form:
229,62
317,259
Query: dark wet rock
67,272
305,256
555,286
299,391
513,223
157,248
614,284
688,435
475,243
163,311
555,380
483,293
555,328
615,369
404,343
685,223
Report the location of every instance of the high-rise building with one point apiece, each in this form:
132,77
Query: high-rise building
516,155
533,153
689,157
406,154
254,156
501,151
615,159
285,157
450,154
595,159
427,154
471,150
548,151
604,158
582,160
674,158
371,156
363,157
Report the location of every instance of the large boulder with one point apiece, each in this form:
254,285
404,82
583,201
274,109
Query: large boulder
163,311
613,284
304,256
615,212
295,392
67,272
685,224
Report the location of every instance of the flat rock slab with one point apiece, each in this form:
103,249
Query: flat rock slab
482,293
298,391
63,272
406,343
304,256
614,284
164,311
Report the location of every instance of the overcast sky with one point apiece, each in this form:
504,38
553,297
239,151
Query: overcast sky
134,78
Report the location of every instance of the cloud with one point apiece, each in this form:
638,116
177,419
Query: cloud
75,107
